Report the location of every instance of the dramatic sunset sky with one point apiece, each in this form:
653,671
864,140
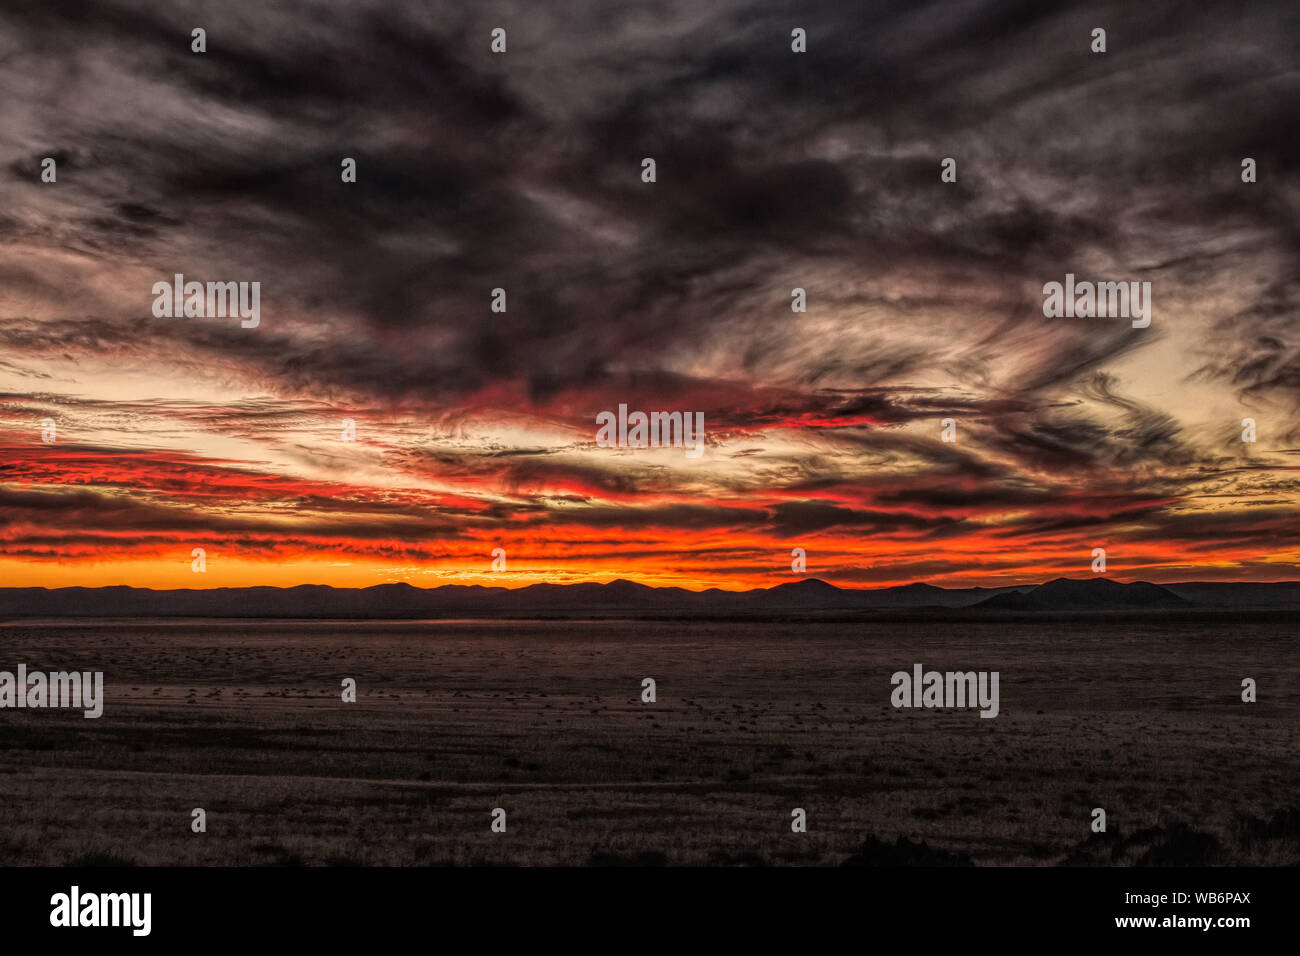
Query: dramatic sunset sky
776,170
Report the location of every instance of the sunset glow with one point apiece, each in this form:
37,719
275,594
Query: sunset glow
476,429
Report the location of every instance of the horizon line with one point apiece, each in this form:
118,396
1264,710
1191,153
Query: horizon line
653,587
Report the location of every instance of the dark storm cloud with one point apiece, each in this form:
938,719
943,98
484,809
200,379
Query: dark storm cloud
75,511
794,518
1257,349
474,175
1067,441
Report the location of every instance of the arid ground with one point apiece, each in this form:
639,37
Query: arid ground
1141,716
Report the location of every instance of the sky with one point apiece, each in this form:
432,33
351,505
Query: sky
774,170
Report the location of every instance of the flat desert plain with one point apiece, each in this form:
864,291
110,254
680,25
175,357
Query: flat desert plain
1141,716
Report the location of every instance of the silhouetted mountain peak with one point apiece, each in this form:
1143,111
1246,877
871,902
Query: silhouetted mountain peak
624,586
1087,594
810,595
808,586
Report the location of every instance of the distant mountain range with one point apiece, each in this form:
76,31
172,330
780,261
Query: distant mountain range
809,595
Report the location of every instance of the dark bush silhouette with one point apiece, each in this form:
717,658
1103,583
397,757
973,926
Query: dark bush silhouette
1283,825
1174,845
101,858
904,852
738,858
643,858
